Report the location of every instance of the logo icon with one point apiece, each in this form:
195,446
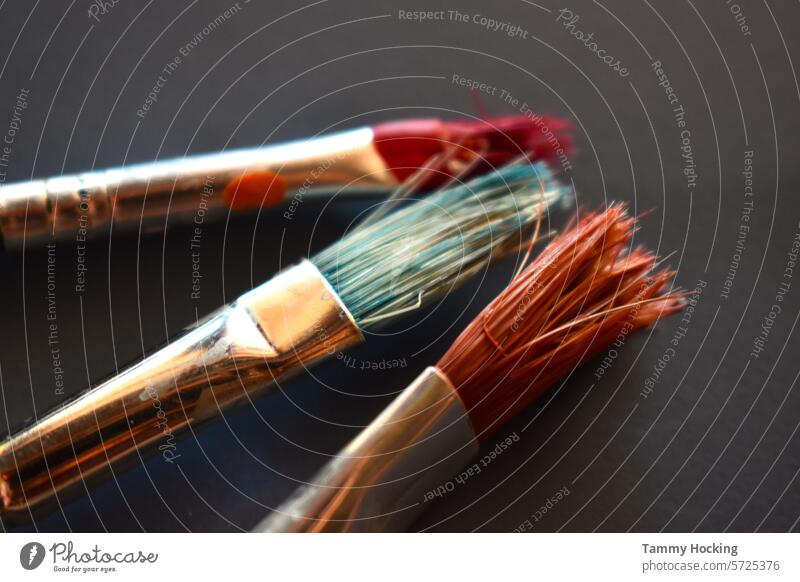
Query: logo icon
31,555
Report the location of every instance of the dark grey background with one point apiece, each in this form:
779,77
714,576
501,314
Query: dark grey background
713,448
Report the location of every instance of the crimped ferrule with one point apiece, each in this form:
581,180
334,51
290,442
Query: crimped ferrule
264,337
378,482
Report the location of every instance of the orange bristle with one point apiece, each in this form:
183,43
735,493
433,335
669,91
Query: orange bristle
584,290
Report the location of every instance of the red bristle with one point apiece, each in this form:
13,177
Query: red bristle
408,145
572,302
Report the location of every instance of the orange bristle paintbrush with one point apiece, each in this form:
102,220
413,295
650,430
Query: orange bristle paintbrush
584,289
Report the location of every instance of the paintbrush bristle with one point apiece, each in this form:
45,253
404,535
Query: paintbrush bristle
407,144
585,290
426,248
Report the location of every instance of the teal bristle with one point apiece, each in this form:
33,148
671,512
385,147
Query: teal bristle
428,247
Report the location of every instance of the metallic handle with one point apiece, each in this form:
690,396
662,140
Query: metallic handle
377,483
184,188
267,335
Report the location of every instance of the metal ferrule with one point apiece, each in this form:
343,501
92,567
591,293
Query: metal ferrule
144,195
267,335
380,480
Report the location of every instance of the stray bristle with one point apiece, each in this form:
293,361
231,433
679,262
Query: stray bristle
584,291
426,248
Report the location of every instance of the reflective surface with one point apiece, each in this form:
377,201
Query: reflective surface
143,195
270,333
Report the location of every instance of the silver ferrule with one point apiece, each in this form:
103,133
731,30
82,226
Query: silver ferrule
146,195
269,334
381,480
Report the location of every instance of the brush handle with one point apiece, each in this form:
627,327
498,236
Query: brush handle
194,188
380,480
269,334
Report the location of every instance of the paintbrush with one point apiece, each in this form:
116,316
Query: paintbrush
367,160
373,275
583,292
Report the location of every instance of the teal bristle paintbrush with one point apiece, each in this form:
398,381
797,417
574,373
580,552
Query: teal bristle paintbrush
384,268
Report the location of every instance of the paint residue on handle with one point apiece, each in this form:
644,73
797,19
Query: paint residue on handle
255,189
